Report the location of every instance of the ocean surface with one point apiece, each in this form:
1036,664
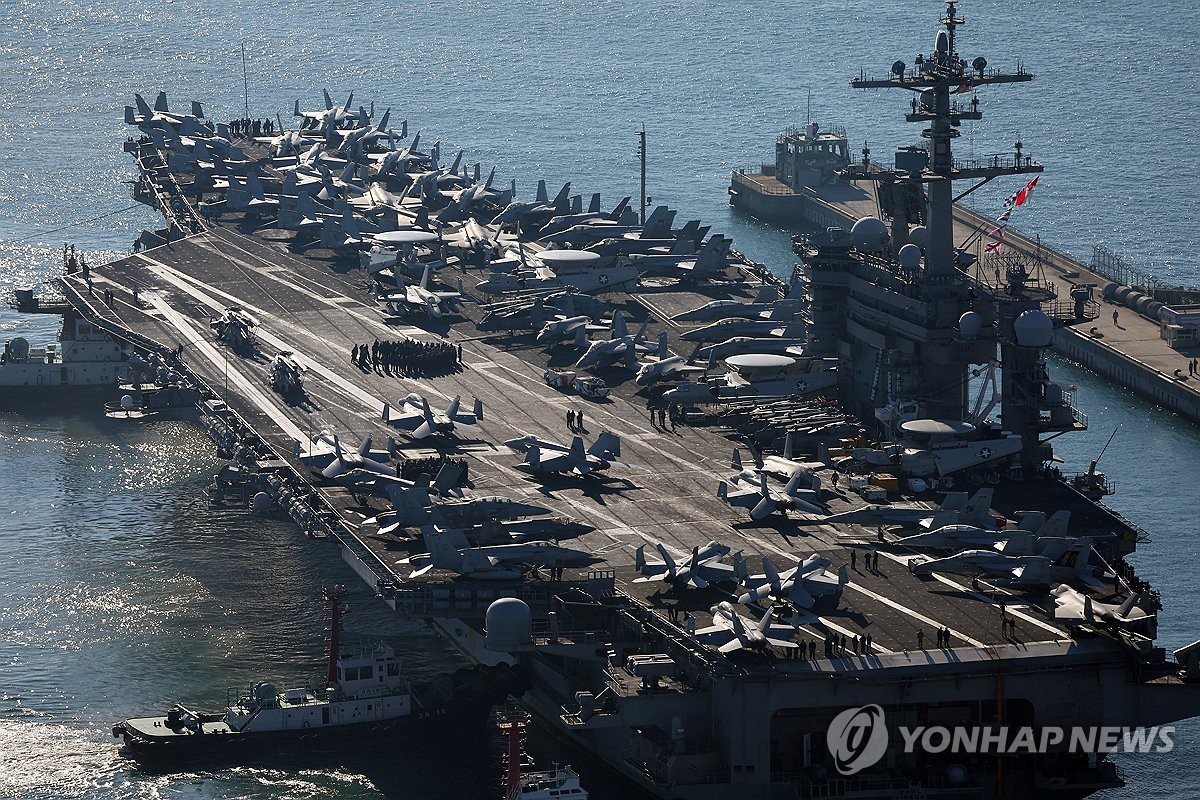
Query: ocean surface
122,592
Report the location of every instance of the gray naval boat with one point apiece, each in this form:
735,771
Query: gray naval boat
366,700
987,717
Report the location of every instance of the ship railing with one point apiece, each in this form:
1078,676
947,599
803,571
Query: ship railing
996,161
795,131
875,785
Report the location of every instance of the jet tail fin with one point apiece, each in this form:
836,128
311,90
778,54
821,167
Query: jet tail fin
740,570
658,224
577,456
447,478
1056,525
607,445
723,491
736,461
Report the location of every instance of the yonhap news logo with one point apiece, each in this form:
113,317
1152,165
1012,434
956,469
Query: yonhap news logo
857,738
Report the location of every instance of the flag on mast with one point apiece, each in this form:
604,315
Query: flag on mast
1018,198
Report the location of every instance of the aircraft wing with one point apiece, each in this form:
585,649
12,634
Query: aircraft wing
714,571
800,596
712,631
651,572
732,645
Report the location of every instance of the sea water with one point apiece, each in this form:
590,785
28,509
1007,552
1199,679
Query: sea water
122,591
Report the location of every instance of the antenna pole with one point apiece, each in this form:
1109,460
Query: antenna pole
642,156
333,598
245,82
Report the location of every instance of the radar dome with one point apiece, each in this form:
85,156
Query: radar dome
19,348
910,257
919,236
969,325
127,402
508,625
870,234
261,502
1033,328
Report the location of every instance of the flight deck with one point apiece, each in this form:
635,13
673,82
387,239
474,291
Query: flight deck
663,491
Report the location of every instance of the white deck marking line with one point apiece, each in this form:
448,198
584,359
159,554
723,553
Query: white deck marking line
904,560
332,302
372,403
1008,609
912,613
658,312
218,359
562,402
876,649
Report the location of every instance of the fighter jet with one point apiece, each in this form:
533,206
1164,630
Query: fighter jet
593,215
621,345
802,585
1013,542
735,632
517,212
449,550
666,369
325,449
550,457
723,309
739,345
1061,560
783,466
781,320
696,571
416,417
712,257
413,505
363,481
420,298
1073,608
557,330
325,120
763,500
161,117
956,508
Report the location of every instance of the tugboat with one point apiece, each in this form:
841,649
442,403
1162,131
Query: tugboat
365,699
560,783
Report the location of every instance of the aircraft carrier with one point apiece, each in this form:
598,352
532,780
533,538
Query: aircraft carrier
296,233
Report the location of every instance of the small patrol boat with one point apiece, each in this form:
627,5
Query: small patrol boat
560,783
555,784
366,699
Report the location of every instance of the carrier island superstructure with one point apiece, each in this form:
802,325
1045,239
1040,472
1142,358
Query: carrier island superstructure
628,668
911,320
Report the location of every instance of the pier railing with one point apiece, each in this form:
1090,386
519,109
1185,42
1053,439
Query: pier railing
771,186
